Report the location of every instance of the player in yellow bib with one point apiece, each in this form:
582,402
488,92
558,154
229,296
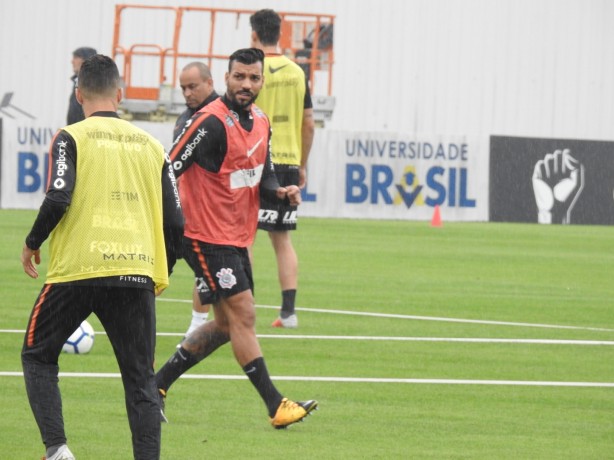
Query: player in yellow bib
113,213
286,100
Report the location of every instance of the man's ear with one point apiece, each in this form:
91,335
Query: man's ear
78,95
254,38
120,95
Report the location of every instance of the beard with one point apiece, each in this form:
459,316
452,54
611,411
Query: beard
243,102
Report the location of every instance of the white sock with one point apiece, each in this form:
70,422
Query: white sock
198,319
53,450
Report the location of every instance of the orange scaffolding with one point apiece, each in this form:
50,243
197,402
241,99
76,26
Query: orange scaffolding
306,38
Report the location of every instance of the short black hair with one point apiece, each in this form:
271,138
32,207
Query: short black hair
84,52
246,56
267,25
98,76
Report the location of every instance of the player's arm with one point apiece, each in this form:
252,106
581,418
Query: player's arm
268,182
202,142
307,133
172,216
270,189
61,183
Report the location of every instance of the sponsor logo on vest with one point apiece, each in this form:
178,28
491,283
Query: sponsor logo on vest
113,250
134,279
117,195
246,177
112,144
251,151
133,138
229,121
61,166
121,223
189,148
275,69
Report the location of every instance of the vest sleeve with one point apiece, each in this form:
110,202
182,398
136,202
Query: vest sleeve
269,182
172,216
203,142
61,177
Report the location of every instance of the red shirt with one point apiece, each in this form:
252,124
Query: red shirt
222,207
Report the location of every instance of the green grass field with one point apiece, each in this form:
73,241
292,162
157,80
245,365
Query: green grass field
470,341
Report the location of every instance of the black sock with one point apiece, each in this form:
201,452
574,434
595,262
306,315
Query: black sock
287,302
177,365
258,374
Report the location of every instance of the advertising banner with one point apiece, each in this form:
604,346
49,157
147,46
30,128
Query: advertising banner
25,145
396,176
24,148
350,174
551,181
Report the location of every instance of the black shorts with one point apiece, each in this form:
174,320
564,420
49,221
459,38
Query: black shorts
219,271
277,216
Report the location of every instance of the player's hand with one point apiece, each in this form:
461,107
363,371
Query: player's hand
292,192
302,177
26,261
558,179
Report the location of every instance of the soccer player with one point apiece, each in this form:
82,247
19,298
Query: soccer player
285,98
197,88
112,210
75,111
224,163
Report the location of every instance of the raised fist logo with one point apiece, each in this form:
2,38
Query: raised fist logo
558,180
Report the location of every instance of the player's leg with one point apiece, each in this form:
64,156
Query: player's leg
200,306
279,220
287,271
129,318
203,341
58,311
240,311
206,338
200,311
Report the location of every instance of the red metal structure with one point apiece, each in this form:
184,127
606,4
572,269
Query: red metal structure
306,38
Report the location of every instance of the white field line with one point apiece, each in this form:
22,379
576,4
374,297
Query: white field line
349,380
395,339
421,318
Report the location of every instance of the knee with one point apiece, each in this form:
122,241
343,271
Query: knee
34,356
244,320
247,319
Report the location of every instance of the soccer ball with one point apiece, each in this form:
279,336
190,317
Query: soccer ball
81,341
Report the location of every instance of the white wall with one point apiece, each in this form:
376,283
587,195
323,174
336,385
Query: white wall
468,67
405,70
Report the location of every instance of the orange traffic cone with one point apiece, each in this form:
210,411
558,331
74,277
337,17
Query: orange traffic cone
436,220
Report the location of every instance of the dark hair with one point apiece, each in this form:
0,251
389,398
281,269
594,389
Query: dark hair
246,56
267,25
98,76
84,52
